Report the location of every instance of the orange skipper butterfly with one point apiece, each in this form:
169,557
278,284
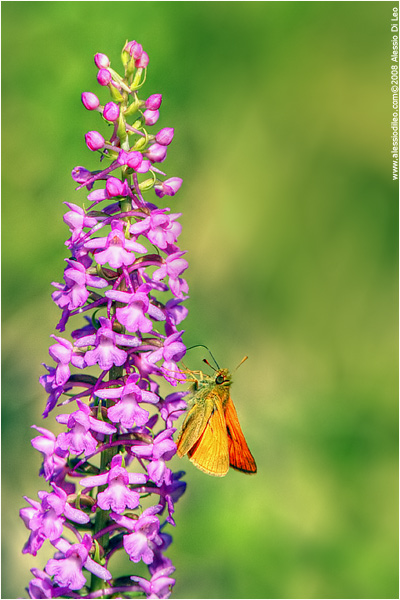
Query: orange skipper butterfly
211,435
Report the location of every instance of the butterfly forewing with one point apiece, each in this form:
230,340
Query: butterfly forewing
240,456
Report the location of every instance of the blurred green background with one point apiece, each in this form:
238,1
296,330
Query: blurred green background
282,117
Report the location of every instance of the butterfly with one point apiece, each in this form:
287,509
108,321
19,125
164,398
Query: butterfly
211,435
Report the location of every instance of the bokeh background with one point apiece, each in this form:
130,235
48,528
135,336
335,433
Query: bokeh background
282,117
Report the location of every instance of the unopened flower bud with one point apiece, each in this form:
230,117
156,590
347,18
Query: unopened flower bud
153,102
151,116
94,140
115,187
90,100
104,77
111,111
134,159
134,48
101,60
165,136
143,61
156,153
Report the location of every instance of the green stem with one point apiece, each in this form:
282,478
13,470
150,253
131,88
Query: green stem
102,516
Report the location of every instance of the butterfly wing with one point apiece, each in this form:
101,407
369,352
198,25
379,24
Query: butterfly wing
193,425
240,457
210,452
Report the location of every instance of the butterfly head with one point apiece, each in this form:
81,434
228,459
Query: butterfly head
223,377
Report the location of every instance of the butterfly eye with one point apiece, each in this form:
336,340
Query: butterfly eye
219,379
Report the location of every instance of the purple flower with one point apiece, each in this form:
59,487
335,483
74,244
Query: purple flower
161,229
140,544
115,248
75,293
170,492
77,219
54,389
132,159
173,266
133,315
169,187
163,449
106,352
159,585
127,411
82,175
54,462
117,496
79,438
173,406
41,586
63,353
46,519
115,187
67,570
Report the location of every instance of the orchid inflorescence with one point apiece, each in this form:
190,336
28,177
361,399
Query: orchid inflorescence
111,488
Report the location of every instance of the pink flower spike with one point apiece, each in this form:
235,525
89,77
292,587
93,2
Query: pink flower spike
121,301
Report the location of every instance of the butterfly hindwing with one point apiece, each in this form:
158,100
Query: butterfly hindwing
193,426
210,452
240,456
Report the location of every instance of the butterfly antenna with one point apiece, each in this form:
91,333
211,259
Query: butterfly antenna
241,362
207,363
211,354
